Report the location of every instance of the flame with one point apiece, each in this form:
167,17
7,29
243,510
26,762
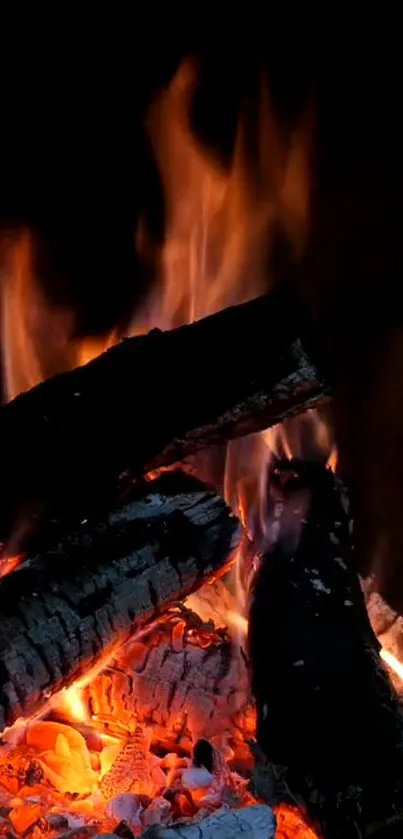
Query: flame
90,348
70,703
392,662
238,622
34,332
221,222
221,225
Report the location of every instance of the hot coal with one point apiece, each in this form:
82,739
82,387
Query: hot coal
183,679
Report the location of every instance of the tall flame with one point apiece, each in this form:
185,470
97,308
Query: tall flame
220,222
220,226
34,332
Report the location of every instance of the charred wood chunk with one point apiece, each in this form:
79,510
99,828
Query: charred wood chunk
326,710
73,442
185,687
65,608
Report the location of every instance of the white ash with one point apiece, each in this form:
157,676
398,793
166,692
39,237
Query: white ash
256,822
158,812
126,807
196,777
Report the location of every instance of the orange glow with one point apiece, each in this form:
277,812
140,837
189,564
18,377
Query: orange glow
220,227
392,662
238,622
34,332
70,703
90,348
9,564
220,222
291,824
306,435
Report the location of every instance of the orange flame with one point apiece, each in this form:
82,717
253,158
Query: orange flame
220,223
220,226
34,332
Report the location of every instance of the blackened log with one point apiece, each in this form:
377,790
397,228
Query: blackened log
326,709
61,611
70,444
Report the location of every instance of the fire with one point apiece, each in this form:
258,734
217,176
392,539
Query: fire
34,331
220,222
392,662
223,223
70,703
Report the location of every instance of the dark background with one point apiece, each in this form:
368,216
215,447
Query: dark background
75,165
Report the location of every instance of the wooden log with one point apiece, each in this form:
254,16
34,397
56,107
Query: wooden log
326,710
61,611
185,679
70,444
256,822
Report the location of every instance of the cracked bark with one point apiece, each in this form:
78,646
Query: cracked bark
61,612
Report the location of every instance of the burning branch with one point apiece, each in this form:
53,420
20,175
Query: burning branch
74,442
62,612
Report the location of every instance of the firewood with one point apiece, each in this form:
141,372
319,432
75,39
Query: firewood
73,442
62,610
327,715
256,822
185,684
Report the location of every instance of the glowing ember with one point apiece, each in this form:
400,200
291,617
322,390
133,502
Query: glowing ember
291,824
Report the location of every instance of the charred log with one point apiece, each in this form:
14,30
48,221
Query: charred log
184,680
326,711
72,443
62,610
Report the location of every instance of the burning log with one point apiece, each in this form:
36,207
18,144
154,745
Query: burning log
62,611
74,442
183,679
326,711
